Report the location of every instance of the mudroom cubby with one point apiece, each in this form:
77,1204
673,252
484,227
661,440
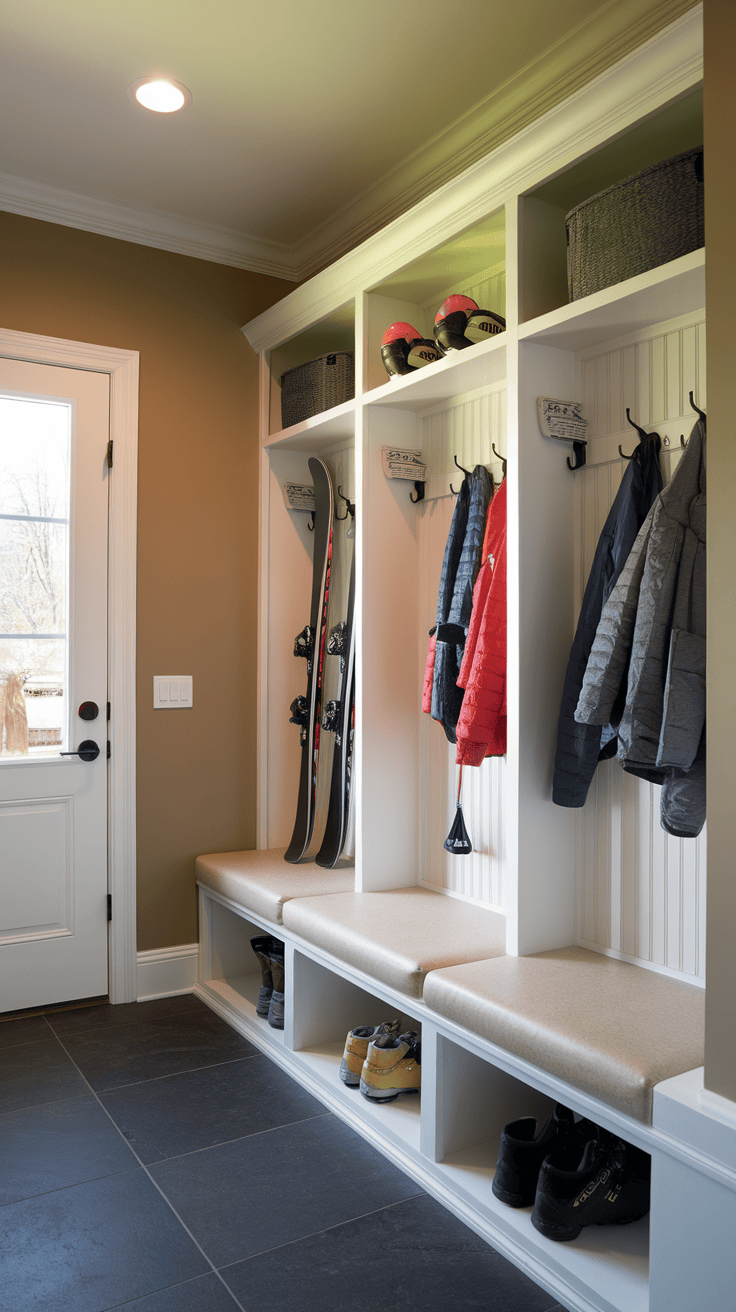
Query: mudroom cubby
326,1006
604,879
474,1100
229,964
286,578
543,264
472,263
336,332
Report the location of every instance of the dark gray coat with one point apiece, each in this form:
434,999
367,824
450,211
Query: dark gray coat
581,746
654,623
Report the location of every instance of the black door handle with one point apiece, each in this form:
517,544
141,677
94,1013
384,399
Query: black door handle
87,750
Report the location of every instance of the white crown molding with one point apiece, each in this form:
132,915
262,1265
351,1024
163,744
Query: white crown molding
579,58
665,68
168,232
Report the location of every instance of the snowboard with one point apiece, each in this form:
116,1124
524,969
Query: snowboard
306,711
339,718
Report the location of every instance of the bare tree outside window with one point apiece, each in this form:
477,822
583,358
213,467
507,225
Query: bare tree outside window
34,515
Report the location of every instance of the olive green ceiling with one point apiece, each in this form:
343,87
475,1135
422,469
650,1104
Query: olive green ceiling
313,122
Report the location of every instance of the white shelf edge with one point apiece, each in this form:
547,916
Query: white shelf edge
329,423
449,377
622,308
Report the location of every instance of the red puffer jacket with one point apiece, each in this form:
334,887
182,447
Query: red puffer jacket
481,729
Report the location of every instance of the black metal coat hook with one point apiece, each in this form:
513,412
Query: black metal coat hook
310,525
578,449
419,489
350,506
643,434
695,407
498,456
467,472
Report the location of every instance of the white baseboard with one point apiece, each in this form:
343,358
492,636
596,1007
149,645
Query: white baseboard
163,972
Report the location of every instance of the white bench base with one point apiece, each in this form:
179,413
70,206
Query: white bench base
447,1140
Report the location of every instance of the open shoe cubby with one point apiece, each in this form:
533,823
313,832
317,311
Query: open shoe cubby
447,1138
497,233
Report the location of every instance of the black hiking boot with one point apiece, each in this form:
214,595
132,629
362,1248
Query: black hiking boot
609,1186
522,1151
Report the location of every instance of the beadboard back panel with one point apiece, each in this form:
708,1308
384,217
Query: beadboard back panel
467,429
640,892
488,290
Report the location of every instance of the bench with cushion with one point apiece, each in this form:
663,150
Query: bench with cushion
397,936
262,882
608,1028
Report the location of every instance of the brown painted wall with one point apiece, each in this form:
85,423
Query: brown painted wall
720,294
197,525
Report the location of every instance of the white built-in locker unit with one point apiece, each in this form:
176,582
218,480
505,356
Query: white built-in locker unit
605,877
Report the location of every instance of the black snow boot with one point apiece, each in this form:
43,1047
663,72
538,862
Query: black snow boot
522,1151
262,945
608,1186
276,1005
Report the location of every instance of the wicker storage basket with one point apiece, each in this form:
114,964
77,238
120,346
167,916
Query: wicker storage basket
642,222
310,388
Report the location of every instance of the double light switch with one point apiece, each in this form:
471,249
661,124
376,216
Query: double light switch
172,691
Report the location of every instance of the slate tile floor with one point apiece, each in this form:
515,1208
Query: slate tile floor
152,1159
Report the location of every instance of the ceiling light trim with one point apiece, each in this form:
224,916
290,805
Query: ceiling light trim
159,79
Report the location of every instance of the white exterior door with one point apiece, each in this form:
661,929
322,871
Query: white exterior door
54,427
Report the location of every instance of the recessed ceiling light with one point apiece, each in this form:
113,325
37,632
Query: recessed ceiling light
161,94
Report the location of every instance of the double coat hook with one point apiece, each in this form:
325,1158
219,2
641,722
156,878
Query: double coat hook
464,470
350,506
643,434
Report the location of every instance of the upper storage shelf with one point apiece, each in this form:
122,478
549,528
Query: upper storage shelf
543,282
472,263
332,335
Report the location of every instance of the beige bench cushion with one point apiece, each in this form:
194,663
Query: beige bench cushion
263,881
399,935
609,1028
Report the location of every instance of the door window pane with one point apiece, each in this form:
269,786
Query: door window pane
34,573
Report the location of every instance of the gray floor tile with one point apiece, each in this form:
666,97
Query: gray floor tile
205,1294
125,1054
413,1257
57,1145
30,1029
182,1113
35,1073
92,1247
244,1197
79,1020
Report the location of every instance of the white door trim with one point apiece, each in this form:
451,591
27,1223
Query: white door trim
122,367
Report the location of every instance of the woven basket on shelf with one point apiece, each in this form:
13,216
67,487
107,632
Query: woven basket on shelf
310,388
638,224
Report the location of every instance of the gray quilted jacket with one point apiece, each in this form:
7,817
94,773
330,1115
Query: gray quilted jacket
650,642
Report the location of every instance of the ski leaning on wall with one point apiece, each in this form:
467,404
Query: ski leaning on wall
339,718
310,644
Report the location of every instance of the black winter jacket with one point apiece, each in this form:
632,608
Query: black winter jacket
581,746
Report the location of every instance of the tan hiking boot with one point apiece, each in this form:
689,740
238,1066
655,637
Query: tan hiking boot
356,1048
392,1066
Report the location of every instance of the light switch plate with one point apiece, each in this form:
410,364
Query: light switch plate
172,692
